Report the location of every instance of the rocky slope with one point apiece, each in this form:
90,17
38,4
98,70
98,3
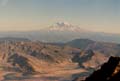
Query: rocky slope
36,59
102,47
29,56
90,59
110,71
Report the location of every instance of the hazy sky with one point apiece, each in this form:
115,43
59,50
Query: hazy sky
98,15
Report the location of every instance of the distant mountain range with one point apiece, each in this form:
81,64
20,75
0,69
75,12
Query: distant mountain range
15,39
63,32
83,44
103,47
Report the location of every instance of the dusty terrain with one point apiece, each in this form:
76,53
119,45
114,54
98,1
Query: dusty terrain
56,73
37,61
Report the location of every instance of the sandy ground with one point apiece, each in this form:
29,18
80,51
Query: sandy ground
64,75
58,73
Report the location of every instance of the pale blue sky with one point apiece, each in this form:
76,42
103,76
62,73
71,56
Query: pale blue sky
97,15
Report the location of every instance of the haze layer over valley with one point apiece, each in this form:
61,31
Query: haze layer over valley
63,32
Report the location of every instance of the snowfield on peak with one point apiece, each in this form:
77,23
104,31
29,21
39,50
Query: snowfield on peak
65,26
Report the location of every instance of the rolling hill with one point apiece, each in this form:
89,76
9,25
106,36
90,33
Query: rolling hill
102,47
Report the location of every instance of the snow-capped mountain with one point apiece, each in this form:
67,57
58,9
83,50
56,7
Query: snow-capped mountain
63,32
65,26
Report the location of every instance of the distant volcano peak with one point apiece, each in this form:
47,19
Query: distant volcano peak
65,26
62,24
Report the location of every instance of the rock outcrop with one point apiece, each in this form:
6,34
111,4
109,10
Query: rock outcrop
21,62
89,59
109,71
